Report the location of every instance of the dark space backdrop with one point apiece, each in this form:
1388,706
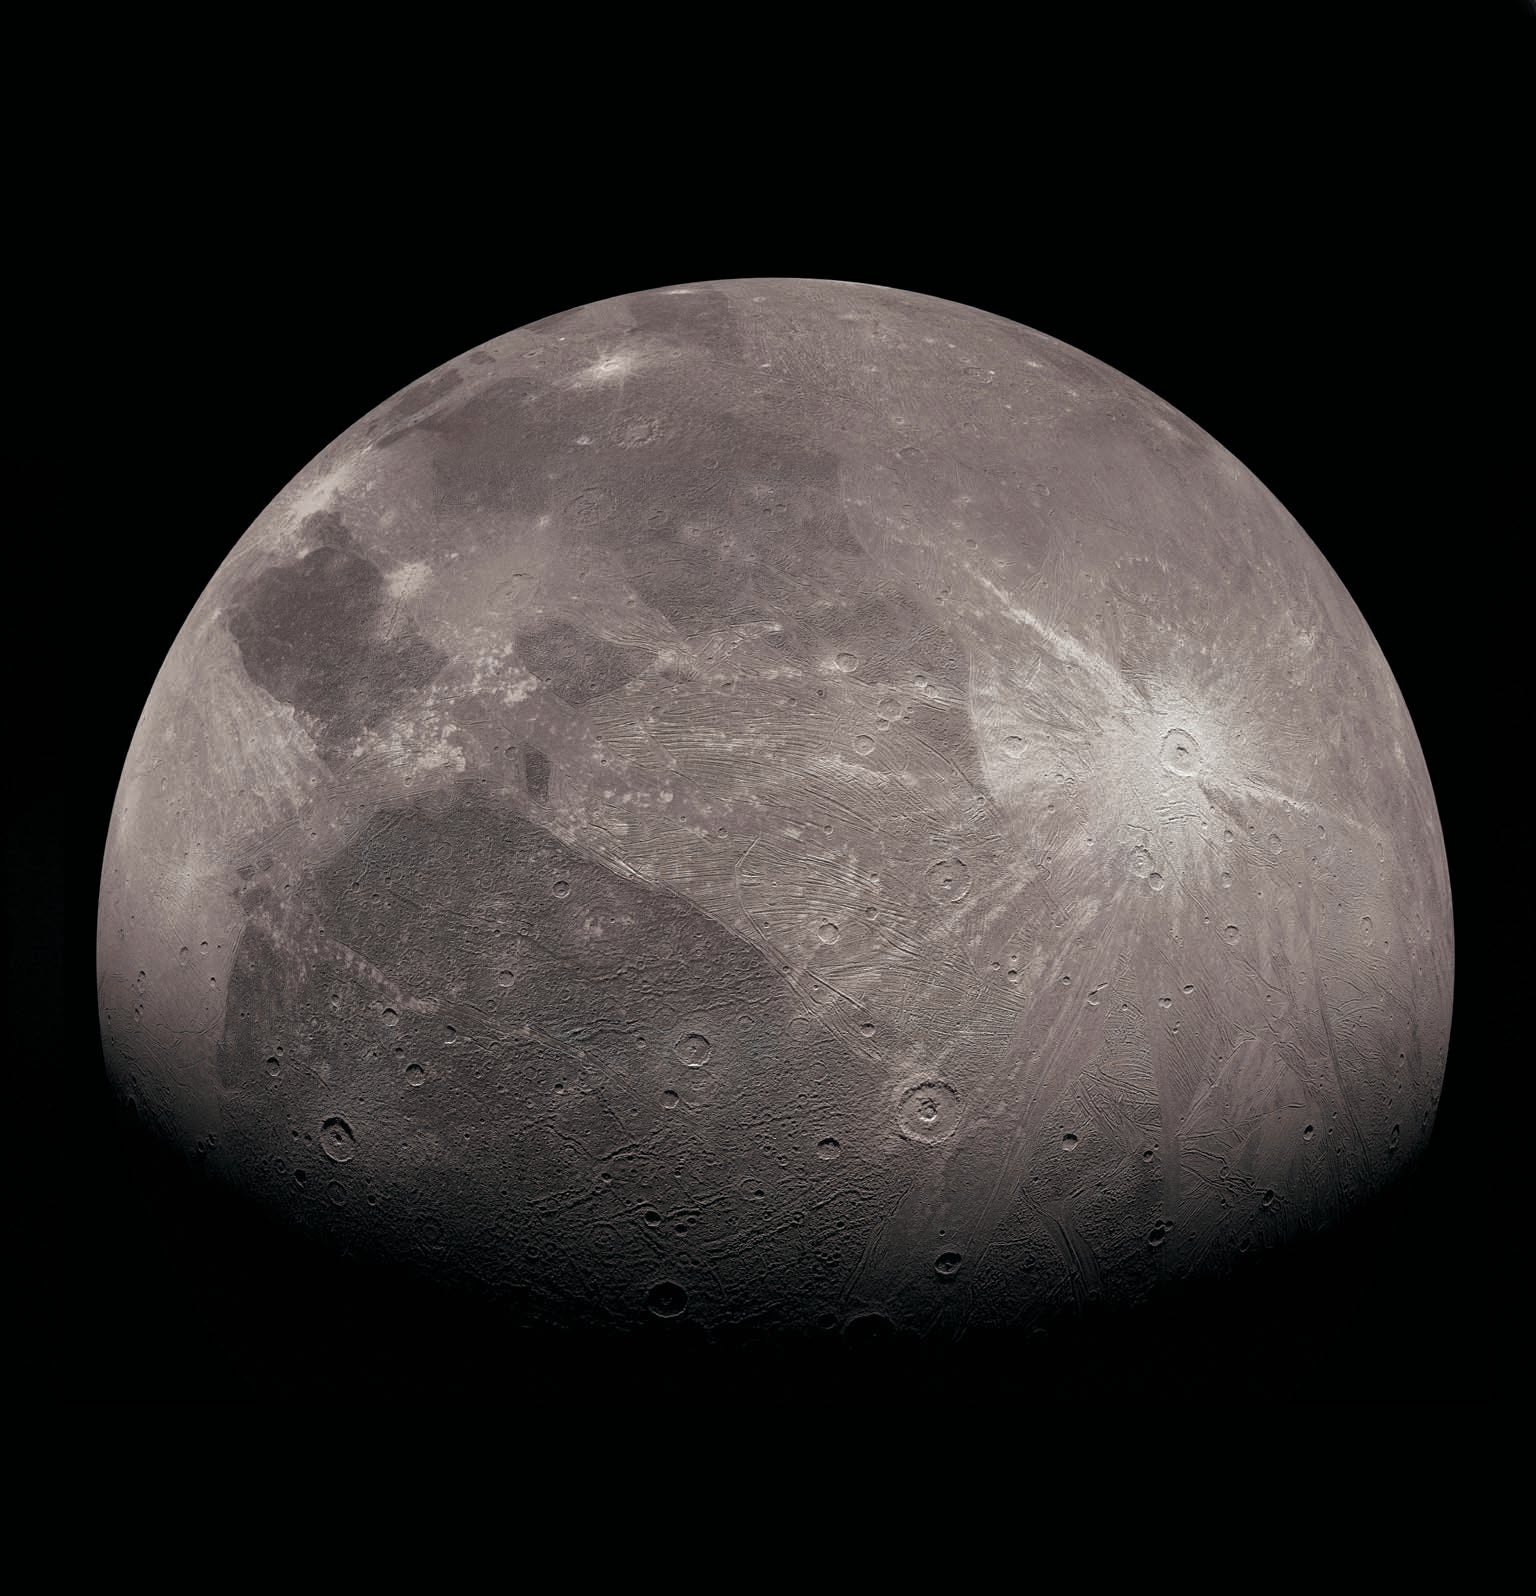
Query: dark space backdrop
1320,279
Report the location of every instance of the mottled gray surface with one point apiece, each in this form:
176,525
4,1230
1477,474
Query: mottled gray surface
778,801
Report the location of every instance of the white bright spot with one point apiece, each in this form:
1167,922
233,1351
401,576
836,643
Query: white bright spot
609,368
407,580
320,492
521,685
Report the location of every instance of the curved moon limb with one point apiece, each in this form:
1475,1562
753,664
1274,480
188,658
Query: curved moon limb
781,801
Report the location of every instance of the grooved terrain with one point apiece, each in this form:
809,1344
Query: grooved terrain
781,802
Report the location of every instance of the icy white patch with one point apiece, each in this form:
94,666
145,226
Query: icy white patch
418,747
607,369
1066,648
321,492
405,581
488,672
516,690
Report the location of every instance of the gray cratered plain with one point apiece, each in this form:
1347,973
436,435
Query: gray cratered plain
777,802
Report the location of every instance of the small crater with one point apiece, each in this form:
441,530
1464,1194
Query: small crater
1013,747
669,1099
948,880
864,744
1141,864
666,1299
1068,1142
415,1075
829,1148
827,931
337,1141
562,889
536,774
1159,1233
847,662
693,1049
1155,881
928,1112
1180,753
1308,1132
390,1018
1230,934
947,1264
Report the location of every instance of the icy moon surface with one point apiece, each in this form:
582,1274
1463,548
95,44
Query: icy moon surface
773,802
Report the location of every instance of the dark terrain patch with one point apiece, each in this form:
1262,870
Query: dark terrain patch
725,519
502,447
532,1053
738,522
327,529
536,774
314,634
702,316
415,398
576,666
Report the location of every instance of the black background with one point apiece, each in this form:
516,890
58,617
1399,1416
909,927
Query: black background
1316,265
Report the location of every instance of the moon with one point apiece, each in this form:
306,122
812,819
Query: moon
781,802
